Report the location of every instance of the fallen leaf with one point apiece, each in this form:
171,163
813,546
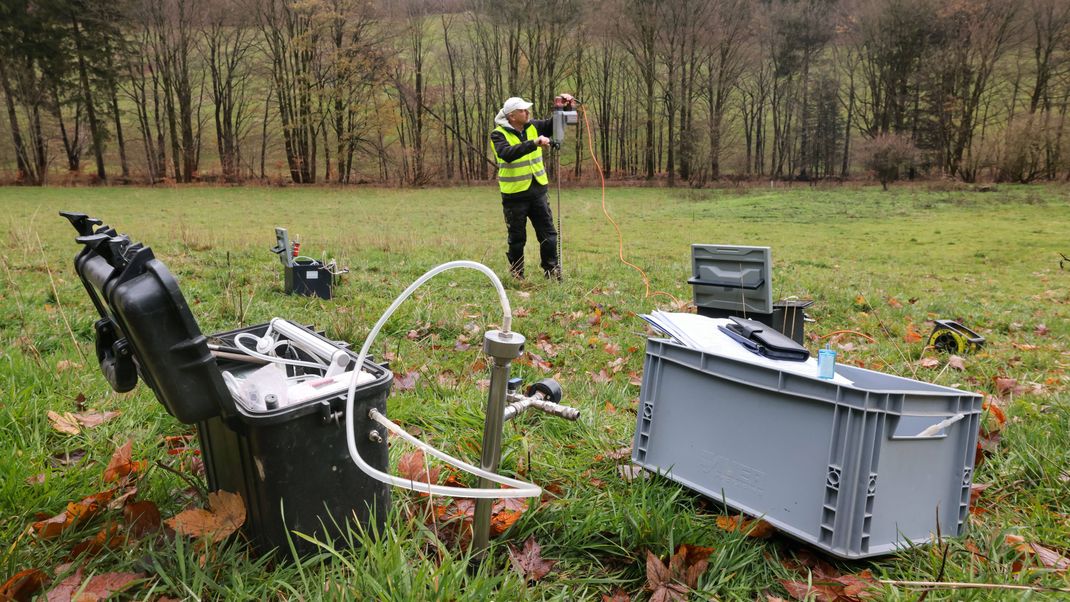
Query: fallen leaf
601,378
893,302
1041,330
928,362
107,538
529,562
64,459
618,595
102,586
406,382
1005,386
621,453
37,479
141,518
1047,557
912,335
630,472
521,312
64,590
23,585
75,514
413,466
93,419
64,365
956,362
64,423
755,528
611,348
121,463
675,581
635,379
226,515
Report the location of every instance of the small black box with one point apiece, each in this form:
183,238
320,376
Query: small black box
309,277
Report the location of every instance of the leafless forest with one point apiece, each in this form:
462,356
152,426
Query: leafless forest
403,92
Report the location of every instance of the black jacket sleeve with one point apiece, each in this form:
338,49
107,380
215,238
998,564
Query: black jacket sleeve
510,152
545,127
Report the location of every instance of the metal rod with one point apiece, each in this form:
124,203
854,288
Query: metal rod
502,348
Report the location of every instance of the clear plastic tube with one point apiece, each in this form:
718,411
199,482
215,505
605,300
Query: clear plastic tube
271,358
522,490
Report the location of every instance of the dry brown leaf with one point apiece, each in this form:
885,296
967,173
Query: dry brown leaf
226,516
64,459
893,302
37,479
673,582
956,362
100,587
912,335
413,466
601,378
75,514
107,538
755,528
1041,330
405,382
121,463
928,362
529,562
23,585
618,595
141,518
64,423
93,419
64,365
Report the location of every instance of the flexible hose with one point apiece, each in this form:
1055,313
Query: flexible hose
271,358
522,489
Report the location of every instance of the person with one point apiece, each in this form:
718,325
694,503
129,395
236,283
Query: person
518,143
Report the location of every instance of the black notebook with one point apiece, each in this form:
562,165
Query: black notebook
764,340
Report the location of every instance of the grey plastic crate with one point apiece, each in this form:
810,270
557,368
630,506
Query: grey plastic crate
732,277
839,466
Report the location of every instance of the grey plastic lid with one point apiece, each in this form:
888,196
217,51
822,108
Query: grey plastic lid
732,277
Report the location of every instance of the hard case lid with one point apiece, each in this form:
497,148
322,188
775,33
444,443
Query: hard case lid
732,277
146,327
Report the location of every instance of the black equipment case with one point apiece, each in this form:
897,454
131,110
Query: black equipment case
291,466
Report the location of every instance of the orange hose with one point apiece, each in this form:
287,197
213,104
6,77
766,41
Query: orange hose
620,236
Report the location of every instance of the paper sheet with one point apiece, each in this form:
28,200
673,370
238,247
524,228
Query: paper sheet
701,332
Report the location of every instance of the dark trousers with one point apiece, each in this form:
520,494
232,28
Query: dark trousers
517,214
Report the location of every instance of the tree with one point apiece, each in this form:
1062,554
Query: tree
887,155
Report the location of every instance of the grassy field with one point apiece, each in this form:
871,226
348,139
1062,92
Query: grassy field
883,264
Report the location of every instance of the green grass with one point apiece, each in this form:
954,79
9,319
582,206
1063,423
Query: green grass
987,259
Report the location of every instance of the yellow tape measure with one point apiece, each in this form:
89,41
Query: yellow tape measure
951,337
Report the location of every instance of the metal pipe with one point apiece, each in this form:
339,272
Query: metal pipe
502,348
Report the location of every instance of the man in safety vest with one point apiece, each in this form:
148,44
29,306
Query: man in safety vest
518,143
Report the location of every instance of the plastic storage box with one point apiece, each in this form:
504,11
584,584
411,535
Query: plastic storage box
848,468
291,465
736,280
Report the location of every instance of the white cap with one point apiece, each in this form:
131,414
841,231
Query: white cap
513,104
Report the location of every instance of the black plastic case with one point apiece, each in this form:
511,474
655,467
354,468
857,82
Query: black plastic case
291,466
309,277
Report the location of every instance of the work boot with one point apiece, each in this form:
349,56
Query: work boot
554,274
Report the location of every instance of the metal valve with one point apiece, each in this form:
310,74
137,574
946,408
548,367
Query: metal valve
543,395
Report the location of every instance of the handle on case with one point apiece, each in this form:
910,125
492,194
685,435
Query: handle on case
728,283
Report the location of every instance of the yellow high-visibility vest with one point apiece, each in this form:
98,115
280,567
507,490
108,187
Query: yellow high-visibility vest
515,176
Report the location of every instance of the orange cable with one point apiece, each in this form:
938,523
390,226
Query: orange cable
620,236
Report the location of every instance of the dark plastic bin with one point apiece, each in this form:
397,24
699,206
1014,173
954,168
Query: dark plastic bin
309,277
291,466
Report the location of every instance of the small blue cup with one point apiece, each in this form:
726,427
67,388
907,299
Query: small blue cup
826,364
